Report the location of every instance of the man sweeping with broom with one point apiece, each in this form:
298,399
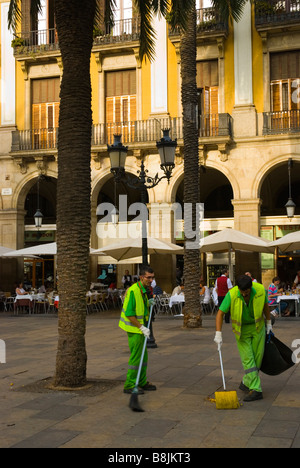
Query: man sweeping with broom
134,320
248,304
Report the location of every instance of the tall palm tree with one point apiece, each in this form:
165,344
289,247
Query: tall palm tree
74,23
192,313
229,10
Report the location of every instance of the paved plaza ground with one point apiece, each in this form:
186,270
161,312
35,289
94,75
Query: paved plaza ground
185,367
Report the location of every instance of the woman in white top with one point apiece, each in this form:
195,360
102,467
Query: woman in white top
20,291
205,291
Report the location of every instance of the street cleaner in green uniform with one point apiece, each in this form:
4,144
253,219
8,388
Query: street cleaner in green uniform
248,304
134,320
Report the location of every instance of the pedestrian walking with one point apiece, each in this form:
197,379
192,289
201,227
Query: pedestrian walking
134,319
248,304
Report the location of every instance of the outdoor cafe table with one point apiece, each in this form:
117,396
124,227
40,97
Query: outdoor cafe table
177,299
25,300
291,297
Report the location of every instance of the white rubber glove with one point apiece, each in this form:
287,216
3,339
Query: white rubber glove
145,331
218,339
269,326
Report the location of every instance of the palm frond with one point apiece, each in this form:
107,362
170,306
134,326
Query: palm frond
230,9
109,8
147,34
179,12
35,8
14,15
160,6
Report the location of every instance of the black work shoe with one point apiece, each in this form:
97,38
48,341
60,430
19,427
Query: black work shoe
253,395
149,387
243,387
130,390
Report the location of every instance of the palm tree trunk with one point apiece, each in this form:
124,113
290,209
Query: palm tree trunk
192,312
74,21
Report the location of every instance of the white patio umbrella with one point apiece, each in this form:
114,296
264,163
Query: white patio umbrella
38,250
236,240
129,248
232,239
4,250
288,243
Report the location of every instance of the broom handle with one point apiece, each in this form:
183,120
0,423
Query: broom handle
222,370
143,351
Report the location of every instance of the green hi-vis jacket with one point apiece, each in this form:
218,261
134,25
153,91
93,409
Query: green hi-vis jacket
236,308
142,305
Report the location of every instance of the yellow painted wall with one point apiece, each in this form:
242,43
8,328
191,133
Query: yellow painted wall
172,81
257,68
95,89
146,89
229,71
20,98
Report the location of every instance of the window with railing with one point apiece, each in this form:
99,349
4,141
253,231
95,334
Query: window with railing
45,112
121,103
123,17
208,92
284,90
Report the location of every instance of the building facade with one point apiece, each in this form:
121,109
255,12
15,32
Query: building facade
248,79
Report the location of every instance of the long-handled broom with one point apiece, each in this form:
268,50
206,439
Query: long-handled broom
225,400
134,403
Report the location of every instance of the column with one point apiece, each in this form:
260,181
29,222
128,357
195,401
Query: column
159,70
244,112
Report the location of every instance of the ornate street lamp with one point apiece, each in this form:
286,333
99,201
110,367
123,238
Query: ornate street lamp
290,205
117,153
38,216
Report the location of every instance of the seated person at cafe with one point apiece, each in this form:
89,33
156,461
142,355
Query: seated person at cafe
273,293
297,280
20,291
205,291
127,279
178,289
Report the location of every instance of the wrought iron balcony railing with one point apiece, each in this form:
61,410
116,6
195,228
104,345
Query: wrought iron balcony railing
35,41
270,13
122,31
283,122
208,20
134,132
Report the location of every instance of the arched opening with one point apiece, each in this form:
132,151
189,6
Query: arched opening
274,195
111,192
215,193
41,193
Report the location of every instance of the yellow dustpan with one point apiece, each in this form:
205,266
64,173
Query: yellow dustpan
225,400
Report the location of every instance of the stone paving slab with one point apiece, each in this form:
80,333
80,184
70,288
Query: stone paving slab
185,367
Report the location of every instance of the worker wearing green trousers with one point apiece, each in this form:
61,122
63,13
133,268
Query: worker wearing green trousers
136,342
248,304
134,320
251,346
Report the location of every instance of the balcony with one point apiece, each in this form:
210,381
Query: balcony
271,15
214,129
36,44
209,26
280,123
123,37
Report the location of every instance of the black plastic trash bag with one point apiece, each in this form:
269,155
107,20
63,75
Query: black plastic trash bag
277,357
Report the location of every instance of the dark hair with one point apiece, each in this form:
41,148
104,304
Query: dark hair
275,279
244,282
224,271
145,269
